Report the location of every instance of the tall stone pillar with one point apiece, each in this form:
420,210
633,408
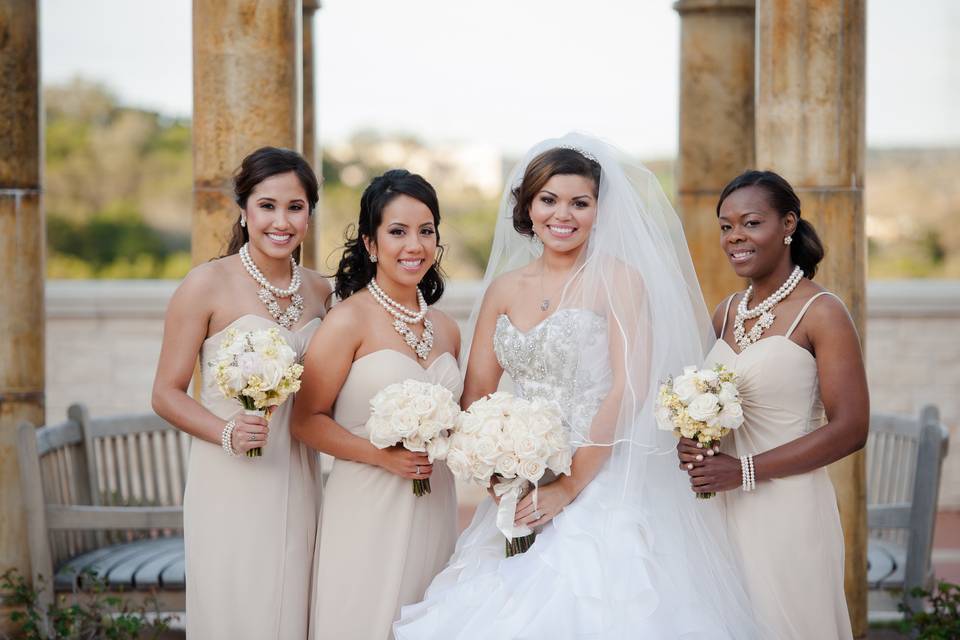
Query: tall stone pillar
309,255
22,320
716,126
247,93
810,129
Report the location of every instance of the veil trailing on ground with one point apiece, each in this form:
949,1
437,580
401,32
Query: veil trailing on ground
636,275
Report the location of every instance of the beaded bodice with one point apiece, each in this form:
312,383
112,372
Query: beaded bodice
563,359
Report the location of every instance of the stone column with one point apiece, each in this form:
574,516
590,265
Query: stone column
716,126
21,264
311,245
810,129
247,93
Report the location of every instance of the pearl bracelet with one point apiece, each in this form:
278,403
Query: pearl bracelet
748,473
226,438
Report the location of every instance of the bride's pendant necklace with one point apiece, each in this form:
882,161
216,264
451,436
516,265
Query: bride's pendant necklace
763,310
545,299
402,317
268,293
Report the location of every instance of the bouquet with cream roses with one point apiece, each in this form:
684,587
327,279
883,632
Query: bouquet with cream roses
417,415
257,368
517,441
701,404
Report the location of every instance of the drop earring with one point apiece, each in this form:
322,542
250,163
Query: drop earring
243,220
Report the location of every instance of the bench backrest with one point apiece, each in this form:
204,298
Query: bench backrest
119,461
904,460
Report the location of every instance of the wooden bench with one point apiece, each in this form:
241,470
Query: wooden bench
105,495
904,459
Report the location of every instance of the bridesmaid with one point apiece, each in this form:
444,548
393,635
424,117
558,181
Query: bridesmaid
248,522
805,402
379,545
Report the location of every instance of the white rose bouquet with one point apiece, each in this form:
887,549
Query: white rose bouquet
515,440
701,404
417,415
257,368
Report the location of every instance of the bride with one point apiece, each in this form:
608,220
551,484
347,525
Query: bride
591,301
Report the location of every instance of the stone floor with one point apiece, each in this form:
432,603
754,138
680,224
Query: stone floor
946,547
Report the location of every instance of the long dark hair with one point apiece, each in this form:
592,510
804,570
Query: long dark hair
257,167
806,250
355,269
553,162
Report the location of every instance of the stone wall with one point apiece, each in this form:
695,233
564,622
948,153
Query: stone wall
103,339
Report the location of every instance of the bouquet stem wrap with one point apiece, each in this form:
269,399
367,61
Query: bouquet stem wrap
519,537
251,411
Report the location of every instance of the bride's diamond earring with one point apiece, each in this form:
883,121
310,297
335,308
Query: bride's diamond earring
788,240
243,220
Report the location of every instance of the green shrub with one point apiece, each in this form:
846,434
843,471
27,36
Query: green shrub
87,613
939,620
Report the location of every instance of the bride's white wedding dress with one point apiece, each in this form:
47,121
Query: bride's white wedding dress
635,555
596,570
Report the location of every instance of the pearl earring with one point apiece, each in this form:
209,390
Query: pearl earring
243,220
373,258
788,240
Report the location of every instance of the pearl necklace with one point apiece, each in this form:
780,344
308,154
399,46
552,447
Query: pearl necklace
257,275
404,316
268,293
407,315
743,338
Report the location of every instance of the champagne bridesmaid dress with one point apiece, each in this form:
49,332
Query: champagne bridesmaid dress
786,533
379,545
250,523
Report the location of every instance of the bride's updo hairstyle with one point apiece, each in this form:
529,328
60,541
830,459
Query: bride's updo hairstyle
806,250
559,161
264,163
356,269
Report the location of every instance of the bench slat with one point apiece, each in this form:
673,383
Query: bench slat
148,575
104,518
889,516
125,425
174,576
880,565
897,554
58,436
126,572
66,576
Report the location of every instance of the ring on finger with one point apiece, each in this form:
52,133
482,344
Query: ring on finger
252,437
418,469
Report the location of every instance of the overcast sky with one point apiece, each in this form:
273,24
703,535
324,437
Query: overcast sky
506,72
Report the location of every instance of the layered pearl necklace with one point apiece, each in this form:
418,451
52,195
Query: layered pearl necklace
402,316
745,339
268,293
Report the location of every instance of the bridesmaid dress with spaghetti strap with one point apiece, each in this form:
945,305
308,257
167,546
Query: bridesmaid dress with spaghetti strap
786,533
250,523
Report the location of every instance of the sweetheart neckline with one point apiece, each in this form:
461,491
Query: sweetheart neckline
408,358
737,354
265,319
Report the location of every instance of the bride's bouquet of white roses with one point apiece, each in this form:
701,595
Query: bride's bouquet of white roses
257,368
700,404
417,415
516,441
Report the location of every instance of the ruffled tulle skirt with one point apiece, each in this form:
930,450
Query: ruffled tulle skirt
597,570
